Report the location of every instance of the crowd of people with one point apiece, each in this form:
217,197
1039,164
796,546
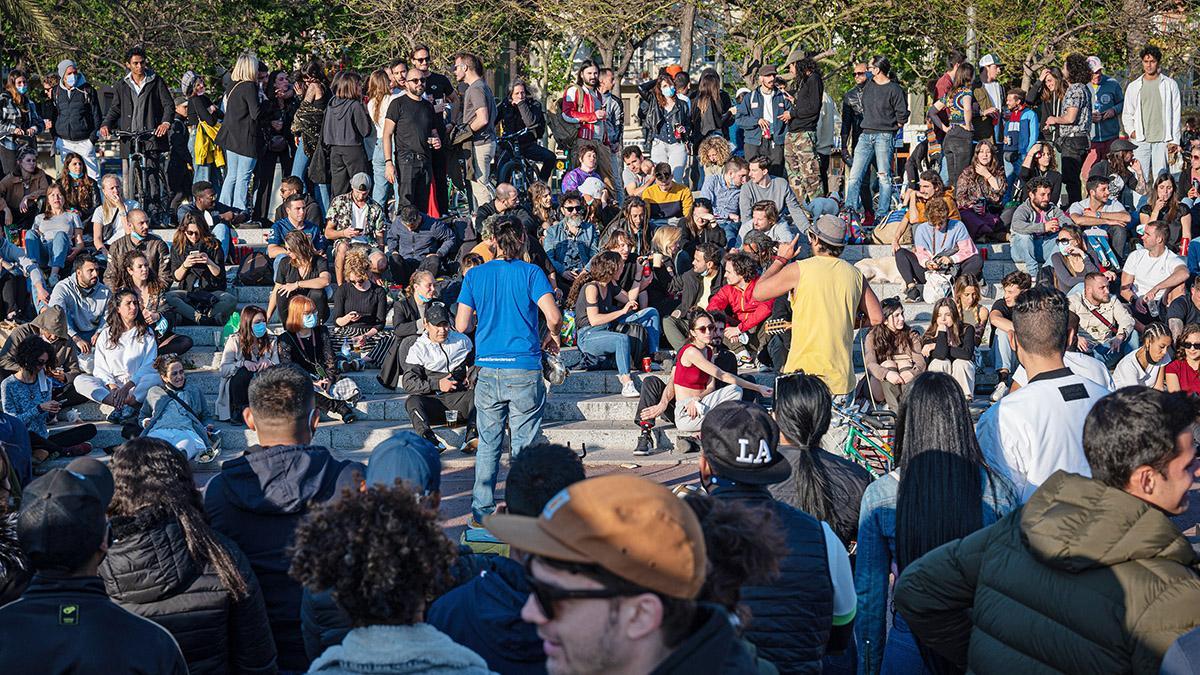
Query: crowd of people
711,251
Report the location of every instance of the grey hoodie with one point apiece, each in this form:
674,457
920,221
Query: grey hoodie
396,650
346,122
84,309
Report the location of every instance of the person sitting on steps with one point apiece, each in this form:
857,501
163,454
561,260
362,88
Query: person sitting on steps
439,376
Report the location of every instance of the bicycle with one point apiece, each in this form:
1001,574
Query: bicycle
869,438
514,167
146,180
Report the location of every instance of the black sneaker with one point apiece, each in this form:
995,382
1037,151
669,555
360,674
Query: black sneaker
687,445
437,442
913,293
470,441
645,445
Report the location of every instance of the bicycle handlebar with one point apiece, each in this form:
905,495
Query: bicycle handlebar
516,134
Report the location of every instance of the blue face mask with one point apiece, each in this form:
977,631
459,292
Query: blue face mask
135,236
259,328
71,80
423,298
310,320
76,174
1063,247
22,88
668,91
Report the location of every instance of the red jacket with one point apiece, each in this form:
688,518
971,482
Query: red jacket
580,105
741,305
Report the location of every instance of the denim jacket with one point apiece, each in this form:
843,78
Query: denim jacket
567,251
876,560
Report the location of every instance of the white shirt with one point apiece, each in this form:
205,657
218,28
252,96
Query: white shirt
768,103
1038,429
131,359
383,108
996,93
1129,372
1083,365
1148,271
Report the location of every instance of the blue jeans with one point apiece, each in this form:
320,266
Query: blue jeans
878,145
599,341
1112,357
1003,356
53,253
300,163
502,395
240,168
224,234
1034,250
380,188
649,319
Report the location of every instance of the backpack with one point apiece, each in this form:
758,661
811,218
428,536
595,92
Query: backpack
255,270
563,132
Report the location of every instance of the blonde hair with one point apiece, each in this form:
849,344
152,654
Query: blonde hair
665,236
246,68
715,145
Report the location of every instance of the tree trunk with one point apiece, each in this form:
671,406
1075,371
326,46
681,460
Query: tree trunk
687,29
1135,12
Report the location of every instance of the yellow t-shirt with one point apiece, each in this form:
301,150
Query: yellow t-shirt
824,306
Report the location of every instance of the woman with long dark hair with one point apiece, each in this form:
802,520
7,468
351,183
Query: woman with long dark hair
635,222
1164,205
123,369
20,122
135,273
941,490
167,564
979,191
198,264
949,345
712,109
666,124
1074,123
892,356
251,349
1047,96
278,143
824,485
302,272
81,190
599,303
307,125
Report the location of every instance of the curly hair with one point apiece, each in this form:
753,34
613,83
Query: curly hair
380,552
743,265
357,265
603,269
162,364
29,353
154,481
714,145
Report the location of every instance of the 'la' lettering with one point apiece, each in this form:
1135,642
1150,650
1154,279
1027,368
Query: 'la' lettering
763,456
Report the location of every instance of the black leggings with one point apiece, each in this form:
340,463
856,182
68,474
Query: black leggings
913,273
239,394
14,297
1074,149
172,343
63,439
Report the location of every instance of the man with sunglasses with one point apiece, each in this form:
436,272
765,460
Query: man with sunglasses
572,241
412,133
615,565
438,91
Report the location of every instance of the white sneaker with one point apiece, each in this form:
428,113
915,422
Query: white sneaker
630,390
999,392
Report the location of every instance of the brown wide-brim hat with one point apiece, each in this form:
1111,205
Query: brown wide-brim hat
52,320
628,525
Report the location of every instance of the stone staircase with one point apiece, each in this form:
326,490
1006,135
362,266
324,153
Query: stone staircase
586,412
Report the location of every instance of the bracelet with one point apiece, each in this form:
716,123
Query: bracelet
780,258
388,161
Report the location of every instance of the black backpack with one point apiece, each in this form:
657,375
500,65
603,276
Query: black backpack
564,132
255,270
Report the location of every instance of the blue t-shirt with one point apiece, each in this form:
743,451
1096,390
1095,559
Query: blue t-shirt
504,295
282,226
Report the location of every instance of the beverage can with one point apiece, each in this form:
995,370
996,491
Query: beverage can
645,269
646,364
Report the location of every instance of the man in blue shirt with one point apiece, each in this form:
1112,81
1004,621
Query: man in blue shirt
505,296
1108,102
293,209
725,192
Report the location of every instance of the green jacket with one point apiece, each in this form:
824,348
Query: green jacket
1083,579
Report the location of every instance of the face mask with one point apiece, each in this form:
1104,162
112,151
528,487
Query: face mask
22,89
76,174
423,298
1063,247
71,80
137,238
668,91
310,320
259,329
1141,229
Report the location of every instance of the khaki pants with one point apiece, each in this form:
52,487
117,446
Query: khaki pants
962,370
684,422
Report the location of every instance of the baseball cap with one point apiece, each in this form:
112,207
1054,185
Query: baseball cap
741,441
408,457
1095,64
360,181
437,313
1121,144
631,526
768,69
673,69
62,518
988,60
592,187
830,229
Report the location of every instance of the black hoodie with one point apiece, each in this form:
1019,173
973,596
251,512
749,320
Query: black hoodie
257,501
346,122
713,647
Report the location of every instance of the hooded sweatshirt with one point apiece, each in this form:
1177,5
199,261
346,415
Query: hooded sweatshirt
1084,578
347,122
85,309
257,501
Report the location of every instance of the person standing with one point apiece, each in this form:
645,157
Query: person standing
141,102
76,117
438,91
238,136
826,291
1108,104
800,146
1152,116
346,124
583,104
614,121
759,115
412,132
505,296
1074,124
885,110
479,114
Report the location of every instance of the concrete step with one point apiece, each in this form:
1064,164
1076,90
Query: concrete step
856,252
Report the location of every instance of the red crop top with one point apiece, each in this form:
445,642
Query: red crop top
690,376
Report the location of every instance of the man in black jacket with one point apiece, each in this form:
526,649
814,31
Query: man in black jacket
141,102
64,622
800,146
808,610
439,378
258,499
417,242
694,289
76,116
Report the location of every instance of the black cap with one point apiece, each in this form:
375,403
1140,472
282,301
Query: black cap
741,442
62,519
437,314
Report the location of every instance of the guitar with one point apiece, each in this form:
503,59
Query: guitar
777,326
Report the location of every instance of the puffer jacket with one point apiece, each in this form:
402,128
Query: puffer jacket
791,616
1084,578
257,501
149,571
15,571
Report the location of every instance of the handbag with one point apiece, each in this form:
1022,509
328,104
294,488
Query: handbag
937,286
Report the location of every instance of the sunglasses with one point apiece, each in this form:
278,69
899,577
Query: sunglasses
572,209
421,59
1190,345
548,595
706,328
192,233
417,79
860,73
